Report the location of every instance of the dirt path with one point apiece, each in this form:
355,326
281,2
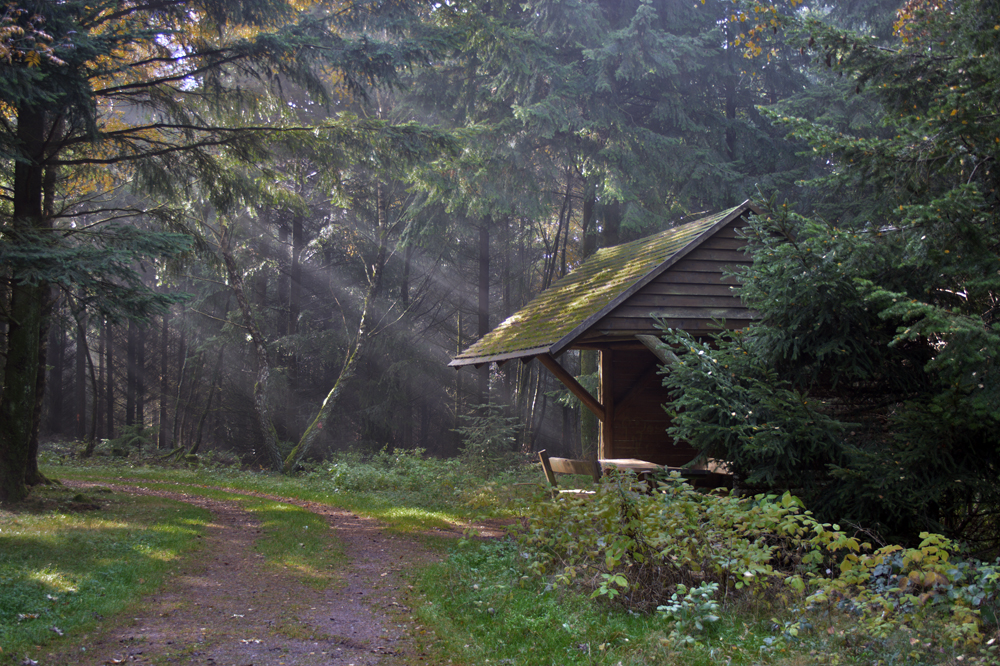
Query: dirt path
225,609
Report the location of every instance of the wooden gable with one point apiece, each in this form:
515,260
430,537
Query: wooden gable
692,294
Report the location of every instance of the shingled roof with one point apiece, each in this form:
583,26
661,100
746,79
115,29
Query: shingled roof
556,317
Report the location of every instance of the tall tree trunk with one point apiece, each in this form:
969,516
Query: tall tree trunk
80,382
32,476
140,375
295,283
99,390
91,437
216,377
587,230
27,311
408,389
130,373
20,382
56,355
109,392
730,83
193,384
284,274
483,306
182,360
162,440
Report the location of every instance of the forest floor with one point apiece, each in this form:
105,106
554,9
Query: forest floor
225,607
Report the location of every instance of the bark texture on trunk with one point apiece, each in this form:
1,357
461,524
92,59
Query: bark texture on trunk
260,396
18,417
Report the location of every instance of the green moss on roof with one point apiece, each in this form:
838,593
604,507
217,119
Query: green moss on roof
584,292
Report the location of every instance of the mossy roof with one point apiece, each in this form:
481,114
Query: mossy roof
550,322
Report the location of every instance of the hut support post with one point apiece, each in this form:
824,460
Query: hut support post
607,444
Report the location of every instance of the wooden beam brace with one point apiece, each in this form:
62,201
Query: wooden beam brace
574,386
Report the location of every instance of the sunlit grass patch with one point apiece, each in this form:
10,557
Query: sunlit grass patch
481,610
62,571
299,540
291,537
407,518
362,483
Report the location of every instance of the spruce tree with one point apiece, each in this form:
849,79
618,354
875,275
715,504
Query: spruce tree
883,308
160,96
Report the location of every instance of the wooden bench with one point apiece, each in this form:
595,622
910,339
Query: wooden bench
552,466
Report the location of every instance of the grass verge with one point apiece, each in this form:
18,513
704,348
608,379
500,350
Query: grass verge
480,607
68,560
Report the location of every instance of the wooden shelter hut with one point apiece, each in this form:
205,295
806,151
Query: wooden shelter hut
609,304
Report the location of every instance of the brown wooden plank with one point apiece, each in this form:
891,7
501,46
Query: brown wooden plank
574,386
661,289
693,277
699,266
725,256
606,368
702,320
696,296
720,242
670,301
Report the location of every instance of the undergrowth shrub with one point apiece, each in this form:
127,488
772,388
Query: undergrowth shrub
489,441
411,475
682,552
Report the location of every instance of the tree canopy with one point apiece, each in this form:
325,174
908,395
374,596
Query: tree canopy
871,377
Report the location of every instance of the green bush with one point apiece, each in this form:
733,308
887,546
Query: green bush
683,552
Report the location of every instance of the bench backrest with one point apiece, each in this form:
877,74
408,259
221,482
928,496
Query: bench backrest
552,466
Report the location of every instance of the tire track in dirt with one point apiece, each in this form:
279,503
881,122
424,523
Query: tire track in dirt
226,608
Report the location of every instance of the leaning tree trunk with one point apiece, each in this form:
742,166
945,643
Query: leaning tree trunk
315,428
261,411
361,339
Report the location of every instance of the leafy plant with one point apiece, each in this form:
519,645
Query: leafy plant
690,611
132,439
685,553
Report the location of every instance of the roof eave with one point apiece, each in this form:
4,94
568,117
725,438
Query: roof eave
522,354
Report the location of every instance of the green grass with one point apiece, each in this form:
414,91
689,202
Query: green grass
63,570
292,538
481,605
482,608
402,489
70,569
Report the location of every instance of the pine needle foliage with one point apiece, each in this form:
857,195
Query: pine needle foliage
884,309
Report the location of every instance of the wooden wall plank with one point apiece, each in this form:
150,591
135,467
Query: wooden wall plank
696,296
661,289
689,277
